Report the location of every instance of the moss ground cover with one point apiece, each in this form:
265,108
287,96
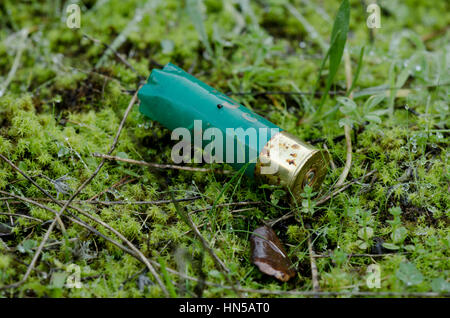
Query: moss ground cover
64,92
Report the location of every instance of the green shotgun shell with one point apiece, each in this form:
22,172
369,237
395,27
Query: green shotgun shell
243,139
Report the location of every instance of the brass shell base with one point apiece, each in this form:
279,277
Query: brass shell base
286,160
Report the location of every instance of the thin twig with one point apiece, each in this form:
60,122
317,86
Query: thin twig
218,262
159,202
205,244
242,203
348,159
120,57
343,187
241,210
21,216
209,223
120,183
10,212
158,165
73,239
314,272
347,129
110,203
324,198
360,255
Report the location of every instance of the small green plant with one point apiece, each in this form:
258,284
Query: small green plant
308,205
366,231
276,195
398,232
359,115
409,274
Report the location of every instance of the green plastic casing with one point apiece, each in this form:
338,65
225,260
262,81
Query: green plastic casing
175,98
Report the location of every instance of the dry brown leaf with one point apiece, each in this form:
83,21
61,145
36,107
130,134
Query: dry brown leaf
269,255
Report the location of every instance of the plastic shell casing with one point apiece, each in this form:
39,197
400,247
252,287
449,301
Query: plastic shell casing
177,99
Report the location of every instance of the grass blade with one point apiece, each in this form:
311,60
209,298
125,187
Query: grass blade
194,11
169,285
338,40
